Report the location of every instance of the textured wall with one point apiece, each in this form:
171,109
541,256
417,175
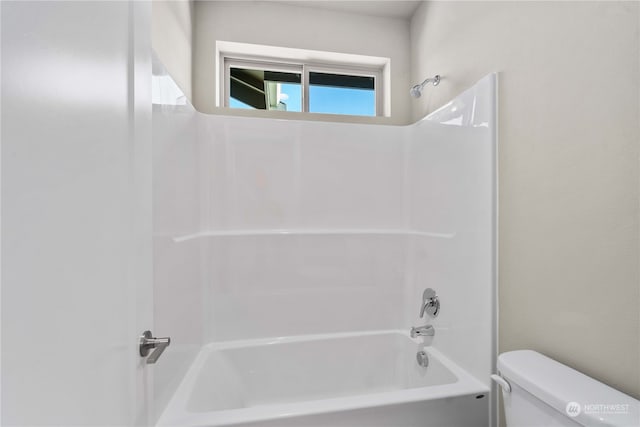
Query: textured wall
286,25
568,159
171,30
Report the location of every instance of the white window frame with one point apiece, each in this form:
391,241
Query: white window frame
230,54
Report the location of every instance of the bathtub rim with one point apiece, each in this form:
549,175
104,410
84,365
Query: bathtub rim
175,413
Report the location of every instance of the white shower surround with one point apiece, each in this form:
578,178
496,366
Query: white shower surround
272,228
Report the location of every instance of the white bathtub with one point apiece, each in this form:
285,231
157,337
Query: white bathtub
350,379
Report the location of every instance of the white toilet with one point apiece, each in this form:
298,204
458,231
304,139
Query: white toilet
538,391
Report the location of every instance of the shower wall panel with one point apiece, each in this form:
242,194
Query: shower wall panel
178,279
269,174
297,284
452,191
295,214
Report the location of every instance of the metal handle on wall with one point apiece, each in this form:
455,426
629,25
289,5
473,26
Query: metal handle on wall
148,342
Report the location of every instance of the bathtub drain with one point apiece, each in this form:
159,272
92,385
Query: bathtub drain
422,358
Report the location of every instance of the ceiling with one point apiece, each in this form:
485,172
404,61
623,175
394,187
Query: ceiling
389,8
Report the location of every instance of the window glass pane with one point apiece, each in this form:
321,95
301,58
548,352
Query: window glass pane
342,94
265,90
234,103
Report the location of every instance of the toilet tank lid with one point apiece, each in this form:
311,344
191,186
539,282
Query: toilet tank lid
561,387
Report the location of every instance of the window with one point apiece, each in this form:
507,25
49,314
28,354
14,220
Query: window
341,84
263,86
342,94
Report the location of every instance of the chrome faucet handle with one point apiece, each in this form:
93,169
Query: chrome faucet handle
148,342
430,303
422,331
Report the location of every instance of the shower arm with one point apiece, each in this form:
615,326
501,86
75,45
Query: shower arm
435,80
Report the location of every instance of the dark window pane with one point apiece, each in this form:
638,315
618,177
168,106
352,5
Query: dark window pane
342,80
263,89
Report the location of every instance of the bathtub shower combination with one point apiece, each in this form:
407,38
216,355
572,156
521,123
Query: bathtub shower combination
366,378
291,261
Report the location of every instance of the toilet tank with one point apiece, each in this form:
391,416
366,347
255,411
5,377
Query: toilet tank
547,393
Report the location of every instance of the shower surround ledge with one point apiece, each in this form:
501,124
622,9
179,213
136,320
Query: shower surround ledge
310,231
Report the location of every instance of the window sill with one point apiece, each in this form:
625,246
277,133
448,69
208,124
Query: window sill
290,115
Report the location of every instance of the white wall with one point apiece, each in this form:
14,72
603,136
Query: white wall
270,23
76,212
569,211
315,179
171,38
178,270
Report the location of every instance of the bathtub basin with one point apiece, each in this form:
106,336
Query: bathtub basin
348,379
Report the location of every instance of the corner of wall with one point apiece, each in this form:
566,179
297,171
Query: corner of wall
172,39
